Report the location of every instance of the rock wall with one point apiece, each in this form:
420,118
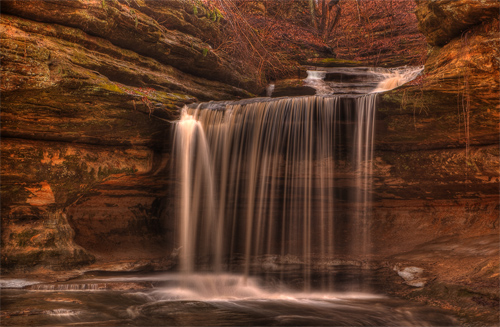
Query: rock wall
437,137
437,158
88,88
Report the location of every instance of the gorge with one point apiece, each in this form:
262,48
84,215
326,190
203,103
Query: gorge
89,171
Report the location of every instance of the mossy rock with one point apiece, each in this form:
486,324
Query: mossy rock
334,62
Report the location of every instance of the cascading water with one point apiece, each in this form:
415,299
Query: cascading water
281,186
396,77
275,182
316,80
358,80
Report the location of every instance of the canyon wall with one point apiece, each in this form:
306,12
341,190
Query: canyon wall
437,136
88,90
437,163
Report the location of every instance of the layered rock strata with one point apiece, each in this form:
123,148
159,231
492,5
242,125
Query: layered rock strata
88,90
436,168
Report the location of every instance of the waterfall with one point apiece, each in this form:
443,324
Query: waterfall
274,183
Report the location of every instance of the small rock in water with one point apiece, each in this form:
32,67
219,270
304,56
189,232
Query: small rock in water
411,275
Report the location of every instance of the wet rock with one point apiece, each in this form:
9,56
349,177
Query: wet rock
291,87
114,265
63,300
334,62
462,274
16,283
62,312
26,312
91,286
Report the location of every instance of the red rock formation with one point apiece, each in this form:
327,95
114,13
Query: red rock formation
436,174
86,89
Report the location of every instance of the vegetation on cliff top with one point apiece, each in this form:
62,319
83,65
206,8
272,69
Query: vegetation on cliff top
276,36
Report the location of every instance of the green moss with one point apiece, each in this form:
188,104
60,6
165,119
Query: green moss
335,62
112,88
23,238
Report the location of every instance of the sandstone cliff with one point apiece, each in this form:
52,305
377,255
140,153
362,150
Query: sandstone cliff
88,88
437,162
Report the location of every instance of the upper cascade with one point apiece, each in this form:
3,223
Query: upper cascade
358,80
397,77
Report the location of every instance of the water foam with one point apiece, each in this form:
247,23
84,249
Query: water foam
232,287
315,79
359,80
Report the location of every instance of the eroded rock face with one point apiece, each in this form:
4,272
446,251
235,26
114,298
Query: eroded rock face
436,170
124,219
131,29
443,20
40,179
88,90
469,64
